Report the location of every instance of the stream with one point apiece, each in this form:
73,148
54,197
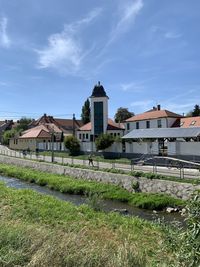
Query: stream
107,205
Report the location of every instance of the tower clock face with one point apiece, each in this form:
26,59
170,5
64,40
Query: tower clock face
98,118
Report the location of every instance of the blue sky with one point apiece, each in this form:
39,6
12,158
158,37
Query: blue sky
52,53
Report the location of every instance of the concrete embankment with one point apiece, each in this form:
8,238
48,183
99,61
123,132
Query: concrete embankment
175,189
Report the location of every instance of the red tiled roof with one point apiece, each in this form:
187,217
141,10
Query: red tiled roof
156,114
42,130
36,133
66,125
115,126
111,126
190,122
86,127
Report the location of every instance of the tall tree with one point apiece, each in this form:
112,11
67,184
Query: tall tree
23,124
123,114
196,111
85,115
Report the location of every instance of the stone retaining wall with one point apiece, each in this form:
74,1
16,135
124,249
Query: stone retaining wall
175,189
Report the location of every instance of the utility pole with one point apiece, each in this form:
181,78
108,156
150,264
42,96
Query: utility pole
52,146
73,124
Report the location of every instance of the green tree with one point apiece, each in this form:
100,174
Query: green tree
85,115
104,141
23,124
123,114
7,135
72,143
196,111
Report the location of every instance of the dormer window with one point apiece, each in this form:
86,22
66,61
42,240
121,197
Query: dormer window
192,123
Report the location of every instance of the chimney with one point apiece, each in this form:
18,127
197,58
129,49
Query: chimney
98,83
158,107
154,108
45,114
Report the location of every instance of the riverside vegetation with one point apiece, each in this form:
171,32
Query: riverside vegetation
38,230
66,184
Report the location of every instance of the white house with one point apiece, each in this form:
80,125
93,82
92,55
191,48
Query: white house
154,118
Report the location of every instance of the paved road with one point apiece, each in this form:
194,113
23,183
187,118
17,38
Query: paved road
186,172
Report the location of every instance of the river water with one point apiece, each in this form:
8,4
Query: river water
106,205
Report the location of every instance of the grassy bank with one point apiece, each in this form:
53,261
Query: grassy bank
38,230
66,184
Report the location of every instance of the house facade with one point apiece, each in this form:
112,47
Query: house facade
155,118
40,137
45,133
182,141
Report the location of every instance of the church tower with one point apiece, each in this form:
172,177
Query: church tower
99,110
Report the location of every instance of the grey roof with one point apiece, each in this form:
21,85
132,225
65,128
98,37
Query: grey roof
163,133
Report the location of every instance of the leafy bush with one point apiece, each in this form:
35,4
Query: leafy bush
72,143
104,141
136,186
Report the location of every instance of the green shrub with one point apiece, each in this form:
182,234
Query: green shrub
104,141
72,143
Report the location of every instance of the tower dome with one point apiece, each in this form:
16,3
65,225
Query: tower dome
98,91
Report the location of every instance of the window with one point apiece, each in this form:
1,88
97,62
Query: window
115,134
128,126
159,123
193,123
98,118
118,134
86,136
80,136
83,136
137,125
147,124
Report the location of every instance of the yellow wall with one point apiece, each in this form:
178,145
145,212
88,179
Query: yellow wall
24,144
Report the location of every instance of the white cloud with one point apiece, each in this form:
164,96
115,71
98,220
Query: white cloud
172,35
181,107
132,86
142,105
65,51
168,34
4,39
128,15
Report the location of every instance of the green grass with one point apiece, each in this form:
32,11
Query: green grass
38,230
85,157
66,184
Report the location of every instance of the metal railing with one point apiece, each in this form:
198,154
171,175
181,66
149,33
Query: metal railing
171,167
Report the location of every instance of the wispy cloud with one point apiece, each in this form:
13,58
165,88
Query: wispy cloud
4,39
136,86
142,105
128,14
132,86
172,35
166,33
65,51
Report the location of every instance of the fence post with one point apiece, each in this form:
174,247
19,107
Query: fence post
113,165
72,160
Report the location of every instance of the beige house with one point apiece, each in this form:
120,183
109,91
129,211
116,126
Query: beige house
33,138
